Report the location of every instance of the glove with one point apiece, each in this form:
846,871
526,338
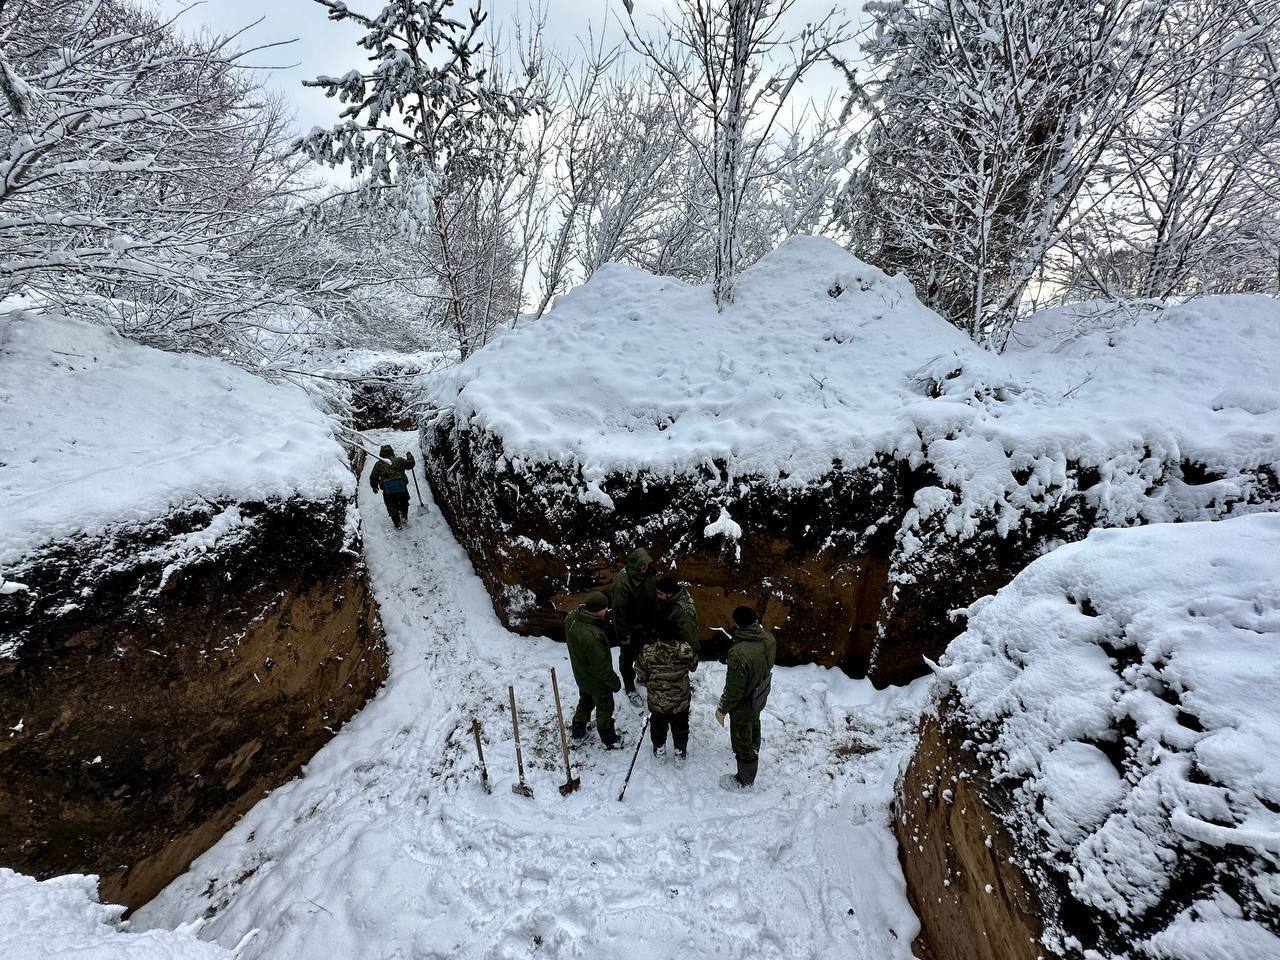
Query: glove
720,717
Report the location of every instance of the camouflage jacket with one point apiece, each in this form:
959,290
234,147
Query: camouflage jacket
664,667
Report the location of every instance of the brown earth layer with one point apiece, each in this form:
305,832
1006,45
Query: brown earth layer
821,561
958,859
152,716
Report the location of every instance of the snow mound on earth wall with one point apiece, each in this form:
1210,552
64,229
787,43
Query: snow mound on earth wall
822,358
97,429
1125,688
62,917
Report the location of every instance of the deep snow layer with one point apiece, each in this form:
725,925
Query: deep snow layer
824,358
1160,645
61,919
99,430
388,847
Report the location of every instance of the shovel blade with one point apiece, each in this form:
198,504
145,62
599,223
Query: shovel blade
568,788
522,789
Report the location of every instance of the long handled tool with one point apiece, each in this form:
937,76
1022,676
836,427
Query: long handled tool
521,788
422,507
484,771
639,742
571,783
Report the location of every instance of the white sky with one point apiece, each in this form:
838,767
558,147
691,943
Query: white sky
324,47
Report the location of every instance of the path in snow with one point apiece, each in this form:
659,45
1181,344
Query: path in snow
387,847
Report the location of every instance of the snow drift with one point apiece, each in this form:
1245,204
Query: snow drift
836,419
1116,708
184,617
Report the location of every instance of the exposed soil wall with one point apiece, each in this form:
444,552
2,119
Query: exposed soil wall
958,859
154,690
850,568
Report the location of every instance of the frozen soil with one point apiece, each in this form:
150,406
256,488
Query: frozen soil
388,847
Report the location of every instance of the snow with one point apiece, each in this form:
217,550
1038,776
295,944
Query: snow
1127,683
99,430
387,845
792,378
62,918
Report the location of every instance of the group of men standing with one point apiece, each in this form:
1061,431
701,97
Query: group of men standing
654,624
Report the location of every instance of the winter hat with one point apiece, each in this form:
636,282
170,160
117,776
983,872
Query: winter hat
596,602
745,617
668,584
387,451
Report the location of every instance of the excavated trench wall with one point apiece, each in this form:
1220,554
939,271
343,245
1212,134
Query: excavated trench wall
849,571
153,691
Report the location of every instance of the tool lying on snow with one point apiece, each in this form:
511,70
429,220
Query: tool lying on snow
521,788
484,771
643,731
571,783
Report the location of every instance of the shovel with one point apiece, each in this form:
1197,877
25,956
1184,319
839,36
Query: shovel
422,507
571,783
521,788
484,771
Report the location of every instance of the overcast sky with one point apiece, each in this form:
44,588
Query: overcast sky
324,47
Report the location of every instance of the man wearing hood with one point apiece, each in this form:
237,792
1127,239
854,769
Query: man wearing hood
747,683
677,618
587,636
389,476
635,605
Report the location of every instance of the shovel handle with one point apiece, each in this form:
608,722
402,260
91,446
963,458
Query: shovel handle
515,726
564,739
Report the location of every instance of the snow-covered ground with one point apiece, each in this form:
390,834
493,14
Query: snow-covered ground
100,430
1126,688
387,847
61,919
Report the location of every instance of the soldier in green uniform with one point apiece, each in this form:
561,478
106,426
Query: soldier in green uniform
389,476
588,639
635,605
746,690
677,619
664,666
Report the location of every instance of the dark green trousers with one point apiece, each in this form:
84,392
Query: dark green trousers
602,705
744,735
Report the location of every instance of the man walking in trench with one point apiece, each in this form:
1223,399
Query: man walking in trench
592,662
746,691
389,475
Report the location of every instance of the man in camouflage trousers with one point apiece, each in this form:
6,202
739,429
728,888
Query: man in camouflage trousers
747,683
663,666
588,639
635,606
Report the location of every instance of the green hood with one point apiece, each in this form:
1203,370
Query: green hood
636,559
387,452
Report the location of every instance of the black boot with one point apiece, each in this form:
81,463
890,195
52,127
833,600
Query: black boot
578,732
609,737
747,772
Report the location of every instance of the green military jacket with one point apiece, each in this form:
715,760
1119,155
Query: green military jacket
664,668
678,621
589,654
751,660
635,599
389,471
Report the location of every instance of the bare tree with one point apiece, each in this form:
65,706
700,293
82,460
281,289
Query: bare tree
733,60
138,169
1191,186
